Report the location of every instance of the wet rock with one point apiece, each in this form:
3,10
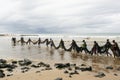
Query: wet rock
25,62
118,68
66,72
9,75
86,69
9,69
14,62
58,79
2,74
83,65
25,69
100,75
3,61
48,68
61,66
75,72
35,66
37,71
70,68
41,64
109,67
77,68
115,74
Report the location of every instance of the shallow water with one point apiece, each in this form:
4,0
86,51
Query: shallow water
8,51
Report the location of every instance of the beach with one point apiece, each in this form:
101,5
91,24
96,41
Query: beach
108,66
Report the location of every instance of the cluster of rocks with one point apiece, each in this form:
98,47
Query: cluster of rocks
72,69
25,65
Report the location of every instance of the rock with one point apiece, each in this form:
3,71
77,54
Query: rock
86,69
118,68
83,65
25,62
115,74
9,74
75,72
48,68
70,68
100,75
37,71
58,79
66,72
3,61
9,69
77,68
35,66
2,74
14,62
41,64
61,66
25,69
109,67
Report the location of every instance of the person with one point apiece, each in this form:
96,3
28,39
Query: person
39,41
74,45
84,46
62,44
51,42
95,48
115,47
22,40
107,46
29,41
14,41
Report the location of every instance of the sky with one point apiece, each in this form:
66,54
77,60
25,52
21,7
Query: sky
59,16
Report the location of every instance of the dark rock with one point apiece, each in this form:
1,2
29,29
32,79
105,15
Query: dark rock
2,74
37,71
25,69
66,72
86,69
83,65
109,67
25,62
3,61
48,68
118,68
35,66
9,75
61,66
70,68
9,69
77,68
14,62
115,74
58,79
100,75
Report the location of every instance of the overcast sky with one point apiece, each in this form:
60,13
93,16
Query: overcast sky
59,16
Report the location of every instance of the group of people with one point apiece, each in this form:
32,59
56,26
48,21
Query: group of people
95,49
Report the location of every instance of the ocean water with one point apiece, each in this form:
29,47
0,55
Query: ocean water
8,51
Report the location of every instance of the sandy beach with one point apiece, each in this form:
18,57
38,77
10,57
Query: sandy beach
103,67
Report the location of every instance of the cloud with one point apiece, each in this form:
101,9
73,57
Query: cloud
59,16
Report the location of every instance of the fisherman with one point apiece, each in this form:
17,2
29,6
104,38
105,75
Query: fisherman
84,46
14,41
29,41
39,41
107,46
22,41
95,48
